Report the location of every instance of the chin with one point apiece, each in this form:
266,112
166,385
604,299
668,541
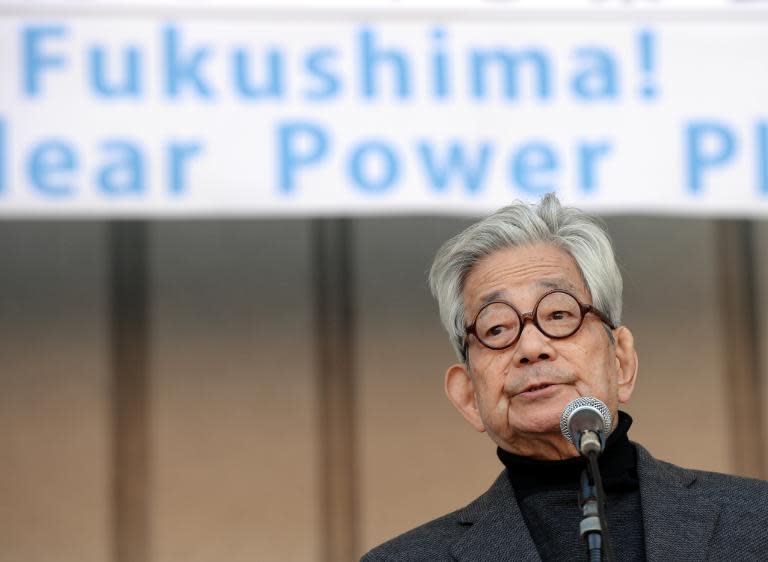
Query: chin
543,419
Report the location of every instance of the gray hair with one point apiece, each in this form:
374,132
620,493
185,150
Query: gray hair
579,234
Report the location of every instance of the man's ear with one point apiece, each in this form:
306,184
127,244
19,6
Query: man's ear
460,390
626,357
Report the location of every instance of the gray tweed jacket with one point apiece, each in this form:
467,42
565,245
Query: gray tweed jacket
687,515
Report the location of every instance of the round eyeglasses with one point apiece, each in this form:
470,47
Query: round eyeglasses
557,314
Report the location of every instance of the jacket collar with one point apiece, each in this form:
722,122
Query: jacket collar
673,530
678,520
498,530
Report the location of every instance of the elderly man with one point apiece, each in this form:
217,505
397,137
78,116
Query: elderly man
531,299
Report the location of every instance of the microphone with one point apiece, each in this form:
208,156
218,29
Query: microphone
585,423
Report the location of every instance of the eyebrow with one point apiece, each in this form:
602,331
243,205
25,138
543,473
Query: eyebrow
557,283
490,297
554,283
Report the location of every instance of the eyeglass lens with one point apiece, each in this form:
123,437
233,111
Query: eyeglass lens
558,315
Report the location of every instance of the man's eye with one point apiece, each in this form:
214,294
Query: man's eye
560,315
495,330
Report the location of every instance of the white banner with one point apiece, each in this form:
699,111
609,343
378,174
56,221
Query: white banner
247,114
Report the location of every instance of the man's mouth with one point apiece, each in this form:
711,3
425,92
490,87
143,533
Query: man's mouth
534,388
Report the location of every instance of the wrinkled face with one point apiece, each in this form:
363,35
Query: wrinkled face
519,393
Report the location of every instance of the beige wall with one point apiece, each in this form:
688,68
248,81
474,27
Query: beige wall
233,394
54,390
671,304
234,458
761,278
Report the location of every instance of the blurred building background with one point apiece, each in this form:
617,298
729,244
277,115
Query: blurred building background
270,388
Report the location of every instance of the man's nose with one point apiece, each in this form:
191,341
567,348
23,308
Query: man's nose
533,346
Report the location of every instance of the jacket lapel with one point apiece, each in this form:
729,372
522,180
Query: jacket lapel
678,521
497,530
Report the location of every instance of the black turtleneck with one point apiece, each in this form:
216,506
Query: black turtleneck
547,493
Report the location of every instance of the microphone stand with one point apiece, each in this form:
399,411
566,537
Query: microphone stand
593,529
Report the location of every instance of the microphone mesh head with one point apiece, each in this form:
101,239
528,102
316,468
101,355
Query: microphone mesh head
584,402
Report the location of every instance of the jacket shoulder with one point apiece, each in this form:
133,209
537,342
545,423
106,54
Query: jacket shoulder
718,485
720,516
428,542
730,483
738,494
432,541
743,516
715,485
